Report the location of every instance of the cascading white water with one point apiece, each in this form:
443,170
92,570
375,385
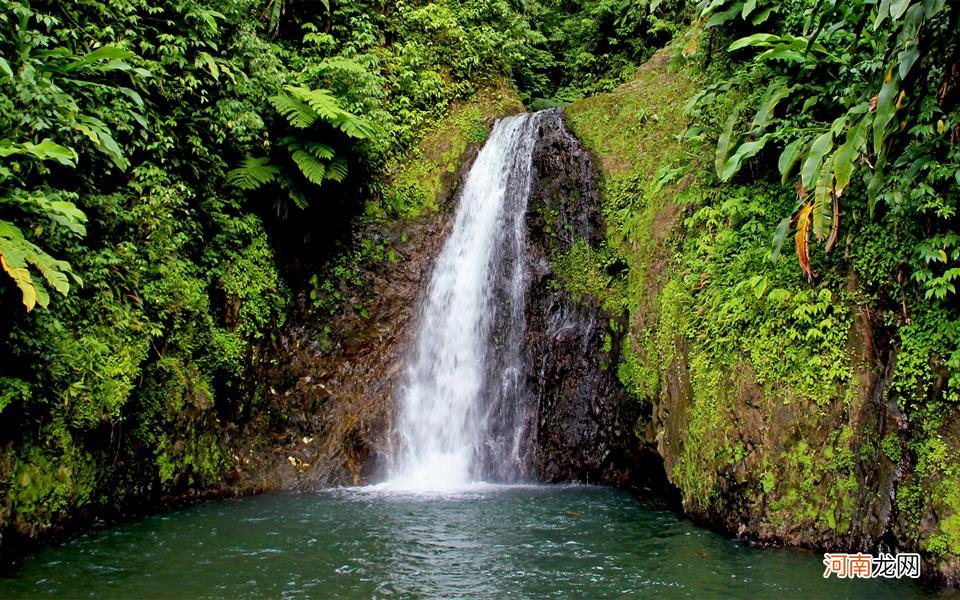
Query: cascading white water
459,420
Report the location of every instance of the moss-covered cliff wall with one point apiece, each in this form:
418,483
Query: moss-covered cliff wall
784,410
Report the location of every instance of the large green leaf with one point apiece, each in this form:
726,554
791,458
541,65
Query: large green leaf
883,11
55,272
814,160
21,277
776,245
137,99
104,59
823,201
50,204
99,133
45,150
886,109
844,160
68,215
745,151
17,255
757,39
719,18
897,8
908,57
789,157
108,53
783,53
205,59
723,144
777,91
875,184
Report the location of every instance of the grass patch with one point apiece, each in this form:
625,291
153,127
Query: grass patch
635,129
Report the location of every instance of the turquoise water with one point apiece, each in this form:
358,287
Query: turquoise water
483,542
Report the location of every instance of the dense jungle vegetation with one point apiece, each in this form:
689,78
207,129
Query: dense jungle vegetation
179,178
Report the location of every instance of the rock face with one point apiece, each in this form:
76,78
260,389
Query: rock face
331,387
584,424
806,475
868,461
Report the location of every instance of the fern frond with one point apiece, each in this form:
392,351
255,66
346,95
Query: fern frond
253,173
297,112
321,101
298,199
321,151
327,107
337,170
359,128
314,170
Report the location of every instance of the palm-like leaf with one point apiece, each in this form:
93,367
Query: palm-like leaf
314,170
297,112
253,173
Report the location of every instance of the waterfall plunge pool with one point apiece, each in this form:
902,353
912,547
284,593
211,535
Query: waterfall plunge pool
481,541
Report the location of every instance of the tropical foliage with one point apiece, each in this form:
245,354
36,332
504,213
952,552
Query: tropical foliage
177,177
172,175
865,93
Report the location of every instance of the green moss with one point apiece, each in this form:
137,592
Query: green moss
178,425
817,483
419,182
635,128
632,132
48,482
932,490
582,271
707,444
700,275
890,446
768,482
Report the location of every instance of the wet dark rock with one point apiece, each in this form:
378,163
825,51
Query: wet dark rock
584,421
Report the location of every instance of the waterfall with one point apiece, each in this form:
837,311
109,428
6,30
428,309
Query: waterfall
461,411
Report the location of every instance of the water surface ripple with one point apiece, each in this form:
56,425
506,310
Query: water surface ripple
485,541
